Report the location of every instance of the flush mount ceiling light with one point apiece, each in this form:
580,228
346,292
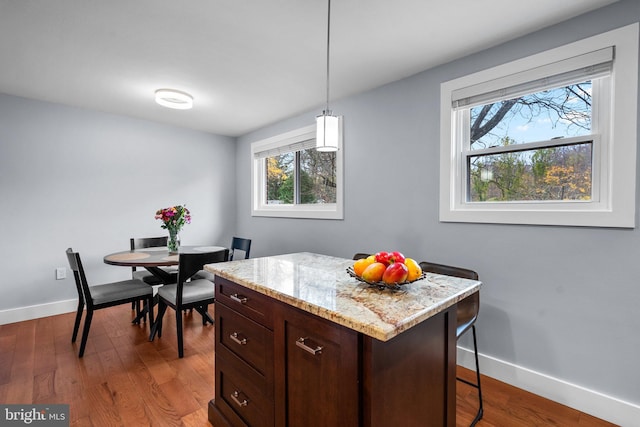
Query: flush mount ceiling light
327,125
172,98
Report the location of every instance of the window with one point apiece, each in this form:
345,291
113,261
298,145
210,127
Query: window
548,139
292,179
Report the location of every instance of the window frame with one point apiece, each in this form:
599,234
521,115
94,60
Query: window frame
259,207
615,140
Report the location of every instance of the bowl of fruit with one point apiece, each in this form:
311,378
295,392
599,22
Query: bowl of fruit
386,270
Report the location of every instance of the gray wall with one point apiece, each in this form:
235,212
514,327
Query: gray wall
89,180
558,300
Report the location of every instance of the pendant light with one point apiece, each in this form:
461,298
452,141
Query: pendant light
327,125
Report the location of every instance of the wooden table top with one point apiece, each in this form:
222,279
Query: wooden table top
154,257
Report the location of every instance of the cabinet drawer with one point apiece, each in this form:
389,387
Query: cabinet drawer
248,302
226,360
253,407
245,338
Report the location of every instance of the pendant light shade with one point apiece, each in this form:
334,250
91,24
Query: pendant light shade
327,125
327,132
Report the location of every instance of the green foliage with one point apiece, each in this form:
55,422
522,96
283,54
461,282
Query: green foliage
558,173
285,192
276,176
307,189
316,172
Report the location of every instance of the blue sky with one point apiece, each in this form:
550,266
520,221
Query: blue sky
542,126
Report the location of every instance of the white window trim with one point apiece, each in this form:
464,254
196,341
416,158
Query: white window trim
619,161
317,211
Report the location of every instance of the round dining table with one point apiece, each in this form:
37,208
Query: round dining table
153,259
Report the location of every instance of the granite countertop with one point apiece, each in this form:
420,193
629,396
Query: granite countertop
320,284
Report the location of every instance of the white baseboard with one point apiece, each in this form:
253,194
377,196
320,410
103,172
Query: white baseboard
37,311
588,401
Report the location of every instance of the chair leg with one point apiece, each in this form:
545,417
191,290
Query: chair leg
179,332
150,305
206,317
477,383
156,327
139,311
85,332
479,387
76,325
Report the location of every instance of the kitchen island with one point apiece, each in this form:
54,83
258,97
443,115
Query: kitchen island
299,342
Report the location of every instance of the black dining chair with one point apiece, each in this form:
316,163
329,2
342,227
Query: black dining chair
467,313
239,243
188,292
150,242
102,296
144,275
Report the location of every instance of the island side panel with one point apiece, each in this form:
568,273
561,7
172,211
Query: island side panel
410,380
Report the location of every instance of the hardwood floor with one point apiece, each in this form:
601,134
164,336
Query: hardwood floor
124,380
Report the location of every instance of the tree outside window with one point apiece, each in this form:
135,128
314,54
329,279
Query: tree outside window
303,177
555,171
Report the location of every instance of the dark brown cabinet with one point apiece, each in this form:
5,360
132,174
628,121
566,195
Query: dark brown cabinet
277,365
316,371
243,358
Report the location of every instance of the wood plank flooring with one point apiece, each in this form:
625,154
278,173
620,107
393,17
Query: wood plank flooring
124,380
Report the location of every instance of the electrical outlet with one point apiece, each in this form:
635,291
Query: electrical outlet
61,273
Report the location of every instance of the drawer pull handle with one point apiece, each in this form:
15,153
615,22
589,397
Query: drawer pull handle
303,345
236,338
235,396
238,298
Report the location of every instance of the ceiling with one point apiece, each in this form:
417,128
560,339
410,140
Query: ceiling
247,63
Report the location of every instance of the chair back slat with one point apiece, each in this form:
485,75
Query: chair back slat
148,242
82,286
241,244
467,309
190,264
448,270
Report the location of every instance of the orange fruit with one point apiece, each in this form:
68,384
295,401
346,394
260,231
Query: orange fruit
373,273
414,269
360,265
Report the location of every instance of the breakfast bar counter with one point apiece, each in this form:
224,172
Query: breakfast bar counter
301,342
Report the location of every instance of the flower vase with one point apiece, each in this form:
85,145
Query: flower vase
173,244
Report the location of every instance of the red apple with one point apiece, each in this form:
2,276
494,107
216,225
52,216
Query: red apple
383,257
396,257
395,273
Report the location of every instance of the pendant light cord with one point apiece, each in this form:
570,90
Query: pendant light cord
328,44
